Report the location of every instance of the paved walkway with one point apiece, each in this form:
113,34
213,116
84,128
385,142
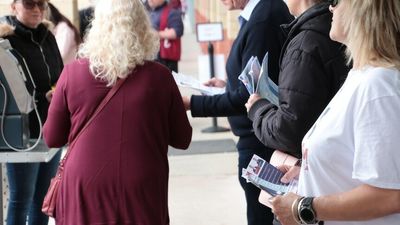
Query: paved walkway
204,188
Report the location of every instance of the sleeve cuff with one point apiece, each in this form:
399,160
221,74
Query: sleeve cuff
260,104
196,109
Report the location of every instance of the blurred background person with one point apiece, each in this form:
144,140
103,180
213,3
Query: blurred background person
358,130
67,35
259,33
312,69
167,20
117,172
85,18
31,38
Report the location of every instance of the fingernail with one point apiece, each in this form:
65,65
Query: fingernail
284,180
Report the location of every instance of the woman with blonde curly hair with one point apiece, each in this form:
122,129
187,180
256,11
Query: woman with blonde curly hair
350,173
117,172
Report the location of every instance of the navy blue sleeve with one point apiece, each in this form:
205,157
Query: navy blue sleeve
175,21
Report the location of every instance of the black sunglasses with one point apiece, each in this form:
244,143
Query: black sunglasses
334,2
30,4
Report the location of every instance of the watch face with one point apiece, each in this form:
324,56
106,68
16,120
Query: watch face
307,215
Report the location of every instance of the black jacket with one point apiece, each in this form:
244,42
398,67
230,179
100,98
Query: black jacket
39,49
260,34
312,69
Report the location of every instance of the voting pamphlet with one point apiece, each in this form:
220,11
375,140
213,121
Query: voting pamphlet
256,80
190,82
267,177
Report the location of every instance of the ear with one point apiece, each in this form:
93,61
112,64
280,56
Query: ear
13,10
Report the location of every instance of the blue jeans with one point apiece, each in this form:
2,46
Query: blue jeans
28,184
257,213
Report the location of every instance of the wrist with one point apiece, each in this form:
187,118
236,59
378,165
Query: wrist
306,212
295,213
254,112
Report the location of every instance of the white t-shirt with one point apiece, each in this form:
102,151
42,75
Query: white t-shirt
356,140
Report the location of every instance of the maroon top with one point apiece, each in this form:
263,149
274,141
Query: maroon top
118,170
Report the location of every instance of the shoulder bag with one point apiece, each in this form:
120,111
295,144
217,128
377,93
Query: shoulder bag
50,200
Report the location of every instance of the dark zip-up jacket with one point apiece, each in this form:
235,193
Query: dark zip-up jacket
39,49
261,34
312,69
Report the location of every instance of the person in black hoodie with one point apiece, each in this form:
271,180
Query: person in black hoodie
259,33
312,69
30,37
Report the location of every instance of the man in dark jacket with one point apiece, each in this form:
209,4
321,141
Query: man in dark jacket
260,32
312,69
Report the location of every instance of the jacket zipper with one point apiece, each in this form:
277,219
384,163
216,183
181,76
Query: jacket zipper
44,58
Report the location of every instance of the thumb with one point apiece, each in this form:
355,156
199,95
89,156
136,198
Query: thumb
291,174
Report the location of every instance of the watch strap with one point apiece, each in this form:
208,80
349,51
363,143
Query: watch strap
306,204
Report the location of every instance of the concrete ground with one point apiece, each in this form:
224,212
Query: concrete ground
203,186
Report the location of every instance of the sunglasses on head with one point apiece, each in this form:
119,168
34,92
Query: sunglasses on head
334,2
30,4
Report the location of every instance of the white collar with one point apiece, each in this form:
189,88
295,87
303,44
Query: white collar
248,9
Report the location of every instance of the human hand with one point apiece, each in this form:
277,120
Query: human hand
291,173
168,34
186,102
215,82
282,208
252,99
49,95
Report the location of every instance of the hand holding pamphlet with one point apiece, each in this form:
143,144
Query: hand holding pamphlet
278,158
257,81
188,81
267,177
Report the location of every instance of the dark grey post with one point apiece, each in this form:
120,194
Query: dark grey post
214,128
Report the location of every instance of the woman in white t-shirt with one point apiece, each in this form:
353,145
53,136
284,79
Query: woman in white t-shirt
350,172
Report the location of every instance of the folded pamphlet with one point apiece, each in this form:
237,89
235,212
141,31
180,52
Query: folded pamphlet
190,82
250,73
278,158
256,80
267,177
266,88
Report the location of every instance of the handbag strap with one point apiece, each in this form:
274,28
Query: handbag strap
101,106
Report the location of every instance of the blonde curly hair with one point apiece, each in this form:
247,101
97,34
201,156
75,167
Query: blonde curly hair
121,38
